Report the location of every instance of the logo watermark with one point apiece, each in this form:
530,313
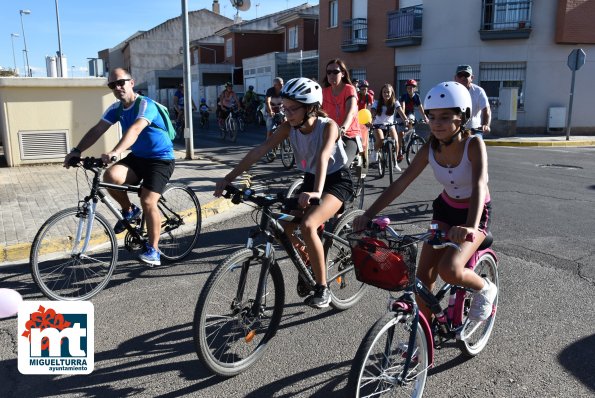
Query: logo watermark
56,337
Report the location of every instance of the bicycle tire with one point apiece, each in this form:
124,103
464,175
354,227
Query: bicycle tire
181,221
381,355
287,157
474,336
222,128
241,124
345,289
233,129
220,337
390,161
58,273
381,162
294,187
414,146
359,190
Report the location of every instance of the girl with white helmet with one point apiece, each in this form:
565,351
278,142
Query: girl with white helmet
320,154
460,164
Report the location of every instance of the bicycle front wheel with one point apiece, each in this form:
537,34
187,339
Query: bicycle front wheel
359,191
391,161
345,289
61,265
414,146
381,163
294,187
232,127
230,335
474,336
287,157
380,359
181,221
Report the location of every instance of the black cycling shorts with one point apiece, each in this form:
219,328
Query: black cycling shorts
454,213
154,173
338,184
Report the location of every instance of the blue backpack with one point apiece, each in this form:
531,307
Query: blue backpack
163,112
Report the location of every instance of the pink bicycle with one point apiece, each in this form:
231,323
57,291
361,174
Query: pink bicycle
396,353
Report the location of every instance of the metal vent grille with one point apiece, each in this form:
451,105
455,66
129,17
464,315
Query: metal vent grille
43,144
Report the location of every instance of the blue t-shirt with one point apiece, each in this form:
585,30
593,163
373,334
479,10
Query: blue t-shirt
153,142
180,94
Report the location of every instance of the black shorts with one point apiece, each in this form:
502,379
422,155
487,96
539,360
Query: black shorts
455,213
338,184
154,173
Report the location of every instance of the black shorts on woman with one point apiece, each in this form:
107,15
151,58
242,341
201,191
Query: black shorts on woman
455,213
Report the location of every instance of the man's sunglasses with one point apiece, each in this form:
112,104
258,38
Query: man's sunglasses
333,72
119,83
463,74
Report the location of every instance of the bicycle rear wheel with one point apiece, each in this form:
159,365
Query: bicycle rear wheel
380,359
474,336
287,157
345,289
228,336
414,146
60,267
181,221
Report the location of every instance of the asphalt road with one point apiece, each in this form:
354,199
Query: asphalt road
543,343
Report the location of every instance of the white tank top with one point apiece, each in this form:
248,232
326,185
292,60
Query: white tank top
457,181
306,148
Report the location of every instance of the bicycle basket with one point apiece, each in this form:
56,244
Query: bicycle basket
384,263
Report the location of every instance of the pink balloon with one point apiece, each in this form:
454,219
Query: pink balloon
9,302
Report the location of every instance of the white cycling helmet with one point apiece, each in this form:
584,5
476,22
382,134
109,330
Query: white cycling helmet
302,90
449,95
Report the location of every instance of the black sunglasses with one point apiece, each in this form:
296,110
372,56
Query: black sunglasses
119,83
333,72
463,74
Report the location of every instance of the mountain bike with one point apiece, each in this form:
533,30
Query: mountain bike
412,142
285,149
241,304
75,252
387,157
229,126
398,350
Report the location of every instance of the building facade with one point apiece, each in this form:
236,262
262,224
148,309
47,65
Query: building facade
522,44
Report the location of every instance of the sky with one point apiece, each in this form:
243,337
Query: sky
89,26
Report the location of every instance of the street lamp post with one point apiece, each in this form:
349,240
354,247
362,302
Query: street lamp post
26,12
14,58
60,72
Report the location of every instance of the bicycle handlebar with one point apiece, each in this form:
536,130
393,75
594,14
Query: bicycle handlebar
89,163
240,195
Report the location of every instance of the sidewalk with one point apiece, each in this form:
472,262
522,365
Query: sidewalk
29,195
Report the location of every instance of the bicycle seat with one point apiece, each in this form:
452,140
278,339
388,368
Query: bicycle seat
487,242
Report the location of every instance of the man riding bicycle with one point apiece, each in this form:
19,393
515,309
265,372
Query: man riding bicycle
179,103
151,160
273,104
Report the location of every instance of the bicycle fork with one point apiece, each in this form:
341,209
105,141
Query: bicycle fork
87,214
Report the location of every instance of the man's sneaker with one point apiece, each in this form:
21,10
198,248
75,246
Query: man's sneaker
129,215
397,168
321,297
482,302
150,256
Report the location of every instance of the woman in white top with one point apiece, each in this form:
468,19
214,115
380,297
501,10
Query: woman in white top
384,111
460,164
320,153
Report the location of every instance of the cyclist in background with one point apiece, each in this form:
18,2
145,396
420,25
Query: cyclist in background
204,109
481,113
272,104
250,103
179,103
152,158
409,101
227,100
463,207
385,111
320,154
365,99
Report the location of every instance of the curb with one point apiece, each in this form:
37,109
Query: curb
583,143
18,253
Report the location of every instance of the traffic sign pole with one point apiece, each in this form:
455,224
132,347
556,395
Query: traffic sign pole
576,59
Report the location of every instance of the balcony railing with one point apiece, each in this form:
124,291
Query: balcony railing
355,35
505,19
404,27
